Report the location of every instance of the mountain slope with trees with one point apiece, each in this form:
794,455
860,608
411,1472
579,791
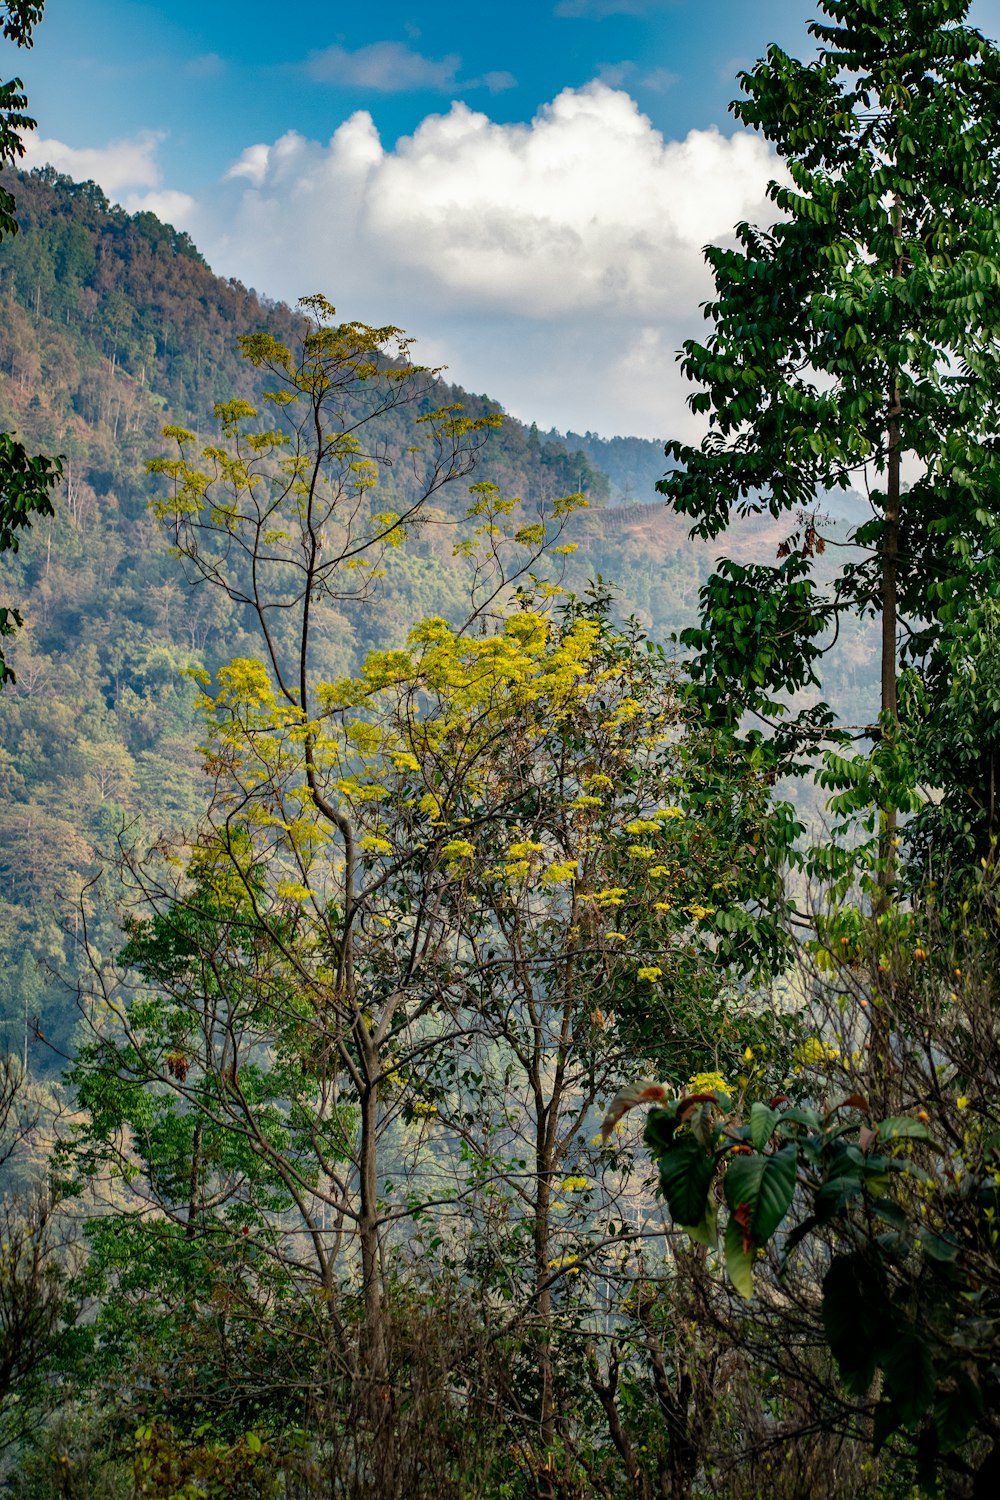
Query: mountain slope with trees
112,326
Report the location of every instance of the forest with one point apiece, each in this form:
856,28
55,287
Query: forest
500,996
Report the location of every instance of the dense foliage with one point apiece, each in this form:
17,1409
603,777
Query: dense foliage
420,855
111,326
854,342
25,480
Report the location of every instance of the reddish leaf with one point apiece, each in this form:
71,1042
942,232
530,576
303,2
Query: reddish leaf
853,1101
626,1099
742,1215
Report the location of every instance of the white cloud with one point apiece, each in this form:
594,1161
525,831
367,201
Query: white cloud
121,164
494,83
205,66
169,205
618,75
126,170
394,68
385,67
556,264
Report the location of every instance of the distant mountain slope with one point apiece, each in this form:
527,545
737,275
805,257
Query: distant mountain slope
112,325
111,321
632,464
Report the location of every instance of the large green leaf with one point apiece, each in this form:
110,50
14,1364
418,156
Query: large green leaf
739,1260
957,1410
833,1195
885,1421
686,1172
853,1307
905,1128
707,1232
661,1127
762,1122
910,1381
765,1185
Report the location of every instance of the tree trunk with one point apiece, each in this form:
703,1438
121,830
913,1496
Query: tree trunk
543,1274
888,813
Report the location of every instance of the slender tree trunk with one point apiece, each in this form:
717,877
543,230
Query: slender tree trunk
543,1274
194,1182
376,1364
888,813
376,1396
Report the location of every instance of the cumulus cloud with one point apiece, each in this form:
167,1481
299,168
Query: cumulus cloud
127,170
121,164
555,263
169,205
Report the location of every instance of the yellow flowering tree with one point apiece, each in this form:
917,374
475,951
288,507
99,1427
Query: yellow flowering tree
435,906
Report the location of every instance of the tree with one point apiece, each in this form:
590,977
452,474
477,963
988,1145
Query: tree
355,1035
891,1215
25,480
19,19
26,483
856,338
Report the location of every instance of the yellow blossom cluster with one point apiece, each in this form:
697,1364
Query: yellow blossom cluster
707,1083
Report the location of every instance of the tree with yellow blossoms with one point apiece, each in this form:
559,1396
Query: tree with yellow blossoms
367,1019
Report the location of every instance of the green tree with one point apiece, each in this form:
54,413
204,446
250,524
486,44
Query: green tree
26,481
856,342
26,484
18,19
355,1035
802,1182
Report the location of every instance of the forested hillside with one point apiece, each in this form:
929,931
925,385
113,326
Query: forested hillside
366,859
112,326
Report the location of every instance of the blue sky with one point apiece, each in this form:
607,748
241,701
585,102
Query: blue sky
525,188
214,76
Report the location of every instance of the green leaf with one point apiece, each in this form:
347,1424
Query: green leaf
853,1298
885,1421
937,1246
892,1213
707,1232
739,1262
957,1410
797,1235
661,1126
909,1376
764,1184
807,1117
905,1128
762,1122
686,1172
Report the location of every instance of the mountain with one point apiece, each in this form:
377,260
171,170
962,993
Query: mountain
112,325
632,464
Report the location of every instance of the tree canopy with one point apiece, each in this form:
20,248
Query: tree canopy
855,343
